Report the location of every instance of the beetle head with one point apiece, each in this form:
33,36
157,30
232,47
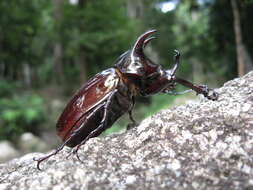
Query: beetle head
134,62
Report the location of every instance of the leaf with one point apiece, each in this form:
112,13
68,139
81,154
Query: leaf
10,115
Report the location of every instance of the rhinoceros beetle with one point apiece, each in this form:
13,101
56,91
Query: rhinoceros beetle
111,93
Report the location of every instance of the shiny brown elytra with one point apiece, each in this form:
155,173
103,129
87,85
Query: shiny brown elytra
111,93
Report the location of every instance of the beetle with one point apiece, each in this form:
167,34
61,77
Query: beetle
111,93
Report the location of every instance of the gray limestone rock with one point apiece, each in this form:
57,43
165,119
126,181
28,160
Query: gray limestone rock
200,145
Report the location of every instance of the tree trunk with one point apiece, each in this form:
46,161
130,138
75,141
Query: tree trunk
135,9
82,61
58,65
244,62
27,75
58,50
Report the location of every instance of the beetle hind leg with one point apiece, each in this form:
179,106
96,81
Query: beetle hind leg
43,158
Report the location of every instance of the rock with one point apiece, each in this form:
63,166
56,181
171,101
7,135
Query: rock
30,143
7,151
200,145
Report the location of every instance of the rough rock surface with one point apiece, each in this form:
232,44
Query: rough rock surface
201,145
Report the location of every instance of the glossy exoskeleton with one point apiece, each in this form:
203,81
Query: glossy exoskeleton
111,93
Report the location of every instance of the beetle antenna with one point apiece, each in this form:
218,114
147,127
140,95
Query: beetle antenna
176,59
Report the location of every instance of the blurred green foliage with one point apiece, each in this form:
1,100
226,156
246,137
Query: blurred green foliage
19,113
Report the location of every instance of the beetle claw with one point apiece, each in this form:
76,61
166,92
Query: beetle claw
70,153
131,125
208,93
38,162
75,152
212,95
77,156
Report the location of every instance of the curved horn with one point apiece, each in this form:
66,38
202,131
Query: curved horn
147,41
140,41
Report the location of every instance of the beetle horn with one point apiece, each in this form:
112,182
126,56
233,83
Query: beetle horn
147,41
140,43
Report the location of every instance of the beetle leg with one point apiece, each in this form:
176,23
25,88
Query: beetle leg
130,112
199,89
41,159
102,124
131,125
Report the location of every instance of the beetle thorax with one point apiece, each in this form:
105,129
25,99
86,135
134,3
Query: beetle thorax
130,87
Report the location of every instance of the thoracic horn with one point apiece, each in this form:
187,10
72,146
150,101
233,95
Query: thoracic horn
142,42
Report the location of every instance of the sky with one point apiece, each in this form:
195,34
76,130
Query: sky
165,7
168,6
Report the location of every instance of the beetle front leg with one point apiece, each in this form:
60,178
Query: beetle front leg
199,89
